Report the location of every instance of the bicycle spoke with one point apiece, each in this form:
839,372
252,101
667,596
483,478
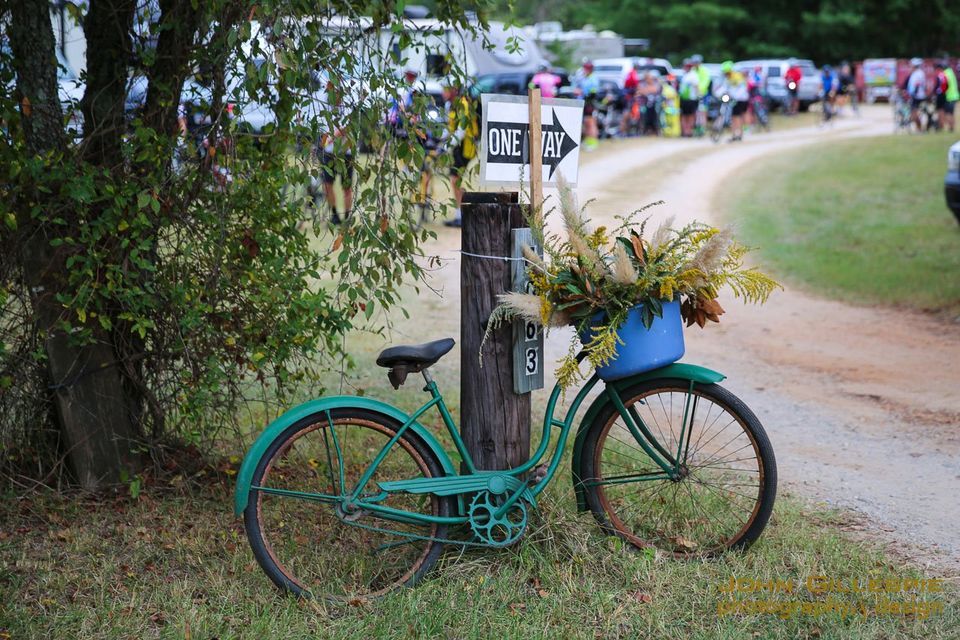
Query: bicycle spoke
331,550
707,506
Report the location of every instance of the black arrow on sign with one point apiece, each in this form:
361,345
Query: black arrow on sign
508,143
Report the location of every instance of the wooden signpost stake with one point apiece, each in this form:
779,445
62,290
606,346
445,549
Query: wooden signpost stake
536,157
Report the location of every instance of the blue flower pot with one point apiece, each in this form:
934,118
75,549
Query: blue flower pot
643,349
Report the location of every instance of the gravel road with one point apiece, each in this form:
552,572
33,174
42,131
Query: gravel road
862,404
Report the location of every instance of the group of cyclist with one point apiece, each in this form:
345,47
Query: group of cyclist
645,93
934,97
639,102
735,97
450,127
837,88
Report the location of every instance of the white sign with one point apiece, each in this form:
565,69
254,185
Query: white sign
504,155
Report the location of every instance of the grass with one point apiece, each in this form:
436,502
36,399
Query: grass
178,566
862,221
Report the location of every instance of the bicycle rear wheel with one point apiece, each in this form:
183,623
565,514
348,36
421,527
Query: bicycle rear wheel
725,491
300,532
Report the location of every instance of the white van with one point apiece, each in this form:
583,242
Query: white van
774,85
616,70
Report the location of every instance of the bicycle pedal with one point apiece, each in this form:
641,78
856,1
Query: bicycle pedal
539,473
356,515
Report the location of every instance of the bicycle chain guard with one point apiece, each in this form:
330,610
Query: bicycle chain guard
494,531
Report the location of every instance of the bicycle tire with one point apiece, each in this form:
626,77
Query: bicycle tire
290,546
684,531
716,129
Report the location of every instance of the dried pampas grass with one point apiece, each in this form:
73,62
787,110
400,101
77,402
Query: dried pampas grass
711,255
622,270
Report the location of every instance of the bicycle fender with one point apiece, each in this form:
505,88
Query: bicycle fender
275,428
675,371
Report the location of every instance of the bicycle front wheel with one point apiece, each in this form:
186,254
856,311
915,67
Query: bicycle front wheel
723,492
300,530
716,130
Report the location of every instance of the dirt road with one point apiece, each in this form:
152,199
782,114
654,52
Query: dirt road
862,404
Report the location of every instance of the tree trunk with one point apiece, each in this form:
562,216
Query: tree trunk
179,22
107,28
98,434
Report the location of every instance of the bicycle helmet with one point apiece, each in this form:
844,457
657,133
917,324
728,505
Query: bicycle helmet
727,66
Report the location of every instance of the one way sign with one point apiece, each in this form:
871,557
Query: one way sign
504,152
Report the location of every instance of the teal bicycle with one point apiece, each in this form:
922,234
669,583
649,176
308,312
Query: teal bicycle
348,497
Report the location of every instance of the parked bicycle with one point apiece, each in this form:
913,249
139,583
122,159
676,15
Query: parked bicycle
721,120
758,105
349,497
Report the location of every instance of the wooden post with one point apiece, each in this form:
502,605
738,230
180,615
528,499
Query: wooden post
536,153
495,421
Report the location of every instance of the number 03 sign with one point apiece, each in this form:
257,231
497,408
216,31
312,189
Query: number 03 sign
527,336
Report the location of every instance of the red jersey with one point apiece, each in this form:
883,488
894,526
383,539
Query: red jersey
793,75
941,87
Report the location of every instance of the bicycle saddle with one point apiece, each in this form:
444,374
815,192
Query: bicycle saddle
404,359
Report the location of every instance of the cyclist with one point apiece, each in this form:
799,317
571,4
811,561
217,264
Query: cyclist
705,81
734,85
586,86
546,80
629,96
847,88
829,84
397,114
336,155
689,98
648,92
953,94
792,78
196,124
754,84
917,90
940,86
461,135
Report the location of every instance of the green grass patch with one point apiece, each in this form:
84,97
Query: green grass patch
861,220
180,567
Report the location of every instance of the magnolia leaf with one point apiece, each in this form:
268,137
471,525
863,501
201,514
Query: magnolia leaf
637,248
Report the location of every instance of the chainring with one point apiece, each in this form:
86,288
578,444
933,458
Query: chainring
492,530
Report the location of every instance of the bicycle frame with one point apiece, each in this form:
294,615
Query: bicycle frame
353,500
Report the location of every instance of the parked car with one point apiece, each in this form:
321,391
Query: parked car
511,83
616,69
773,72
951,183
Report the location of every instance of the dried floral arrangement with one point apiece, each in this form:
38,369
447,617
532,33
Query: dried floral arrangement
595,271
